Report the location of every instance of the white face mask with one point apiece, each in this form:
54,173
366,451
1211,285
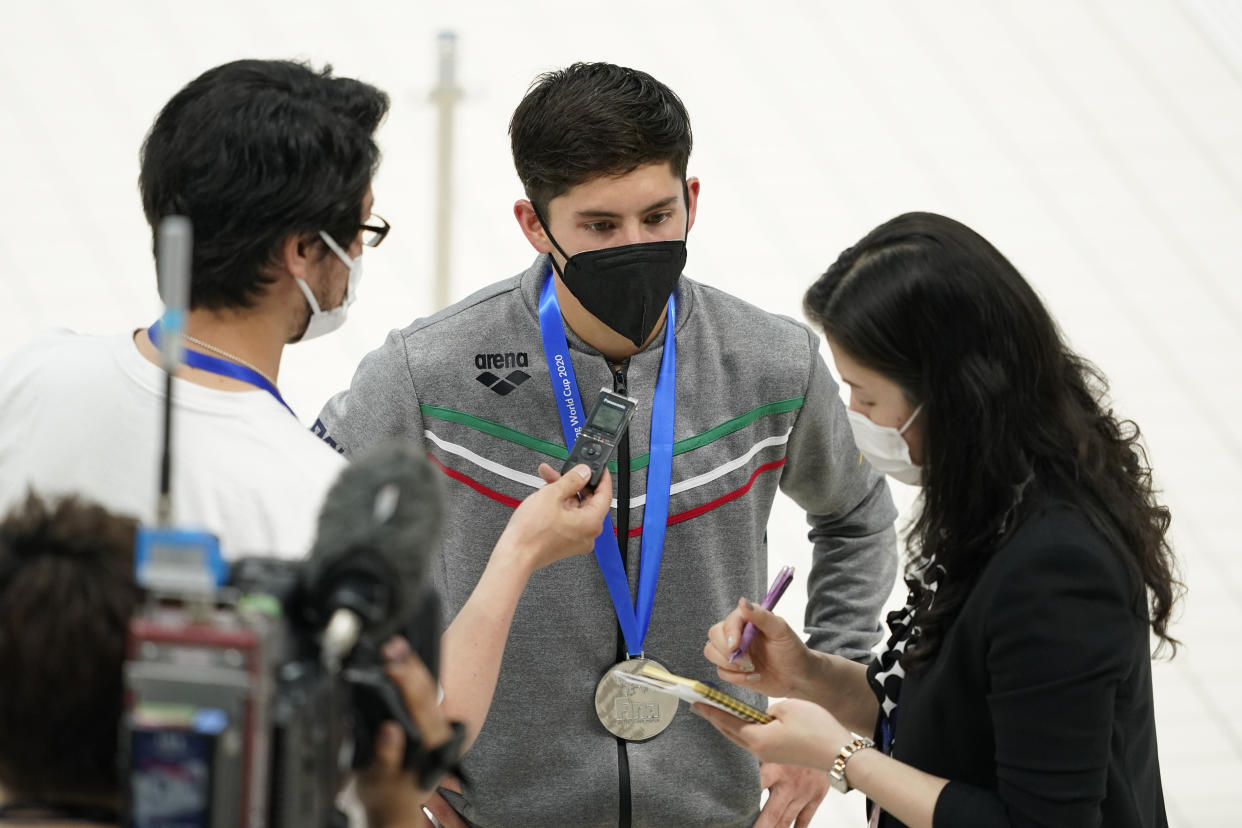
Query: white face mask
326,321
884,447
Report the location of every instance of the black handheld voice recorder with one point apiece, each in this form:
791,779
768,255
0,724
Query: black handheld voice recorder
598,439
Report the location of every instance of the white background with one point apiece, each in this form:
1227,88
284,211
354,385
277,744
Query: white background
1098,143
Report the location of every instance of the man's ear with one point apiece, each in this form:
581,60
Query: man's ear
524,212
692,200
297,254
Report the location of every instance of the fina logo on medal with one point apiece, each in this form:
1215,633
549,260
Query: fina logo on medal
632,710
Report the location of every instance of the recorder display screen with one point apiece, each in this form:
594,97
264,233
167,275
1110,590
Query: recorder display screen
607,418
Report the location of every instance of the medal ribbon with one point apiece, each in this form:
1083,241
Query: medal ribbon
634,617
215,365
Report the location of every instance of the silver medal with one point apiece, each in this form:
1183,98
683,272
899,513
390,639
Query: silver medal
632,711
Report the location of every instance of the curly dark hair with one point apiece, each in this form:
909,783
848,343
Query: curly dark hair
1007,406
593,119
254,151
67,591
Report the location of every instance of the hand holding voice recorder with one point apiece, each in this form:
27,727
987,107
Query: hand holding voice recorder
598,439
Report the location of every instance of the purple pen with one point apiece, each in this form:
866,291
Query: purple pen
779,585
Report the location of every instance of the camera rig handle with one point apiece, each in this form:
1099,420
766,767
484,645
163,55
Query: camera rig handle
376,700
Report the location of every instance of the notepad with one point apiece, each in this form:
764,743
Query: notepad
689,690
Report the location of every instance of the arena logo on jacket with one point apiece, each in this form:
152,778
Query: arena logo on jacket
502,361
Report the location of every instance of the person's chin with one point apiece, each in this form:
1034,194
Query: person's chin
297,335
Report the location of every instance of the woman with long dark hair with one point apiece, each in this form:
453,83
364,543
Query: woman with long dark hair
1015,687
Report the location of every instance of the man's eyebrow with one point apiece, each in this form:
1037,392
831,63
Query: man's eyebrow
664,202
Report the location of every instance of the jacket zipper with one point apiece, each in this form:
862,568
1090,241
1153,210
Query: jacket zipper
622,489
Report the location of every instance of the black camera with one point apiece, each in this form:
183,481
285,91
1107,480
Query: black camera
248,704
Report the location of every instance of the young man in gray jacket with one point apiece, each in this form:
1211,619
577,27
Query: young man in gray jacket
734,403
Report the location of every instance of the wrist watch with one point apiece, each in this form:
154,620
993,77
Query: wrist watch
836,774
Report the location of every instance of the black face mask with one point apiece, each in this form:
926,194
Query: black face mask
625,287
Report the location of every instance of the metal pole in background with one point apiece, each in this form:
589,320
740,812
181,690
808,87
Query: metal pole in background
445,96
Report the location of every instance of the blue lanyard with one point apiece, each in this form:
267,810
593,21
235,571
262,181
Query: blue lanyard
215,365
634,619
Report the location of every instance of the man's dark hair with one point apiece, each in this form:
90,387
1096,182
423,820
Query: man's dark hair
67,591
253,151
594,119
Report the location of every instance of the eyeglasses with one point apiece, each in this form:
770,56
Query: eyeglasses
374,231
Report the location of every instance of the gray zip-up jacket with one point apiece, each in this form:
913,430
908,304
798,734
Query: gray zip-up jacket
756,411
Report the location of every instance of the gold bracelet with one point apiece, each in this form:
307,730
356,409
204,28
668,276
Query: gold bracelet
836,776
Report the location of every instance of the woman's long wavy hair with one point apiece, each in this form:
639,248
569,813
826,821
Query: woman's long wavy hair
932,305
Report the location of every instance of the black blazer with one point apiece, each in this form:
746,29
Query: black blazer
1038,705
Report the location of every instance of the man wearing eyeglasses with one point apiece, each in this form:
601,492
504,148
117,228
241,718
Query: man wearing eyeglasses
272,162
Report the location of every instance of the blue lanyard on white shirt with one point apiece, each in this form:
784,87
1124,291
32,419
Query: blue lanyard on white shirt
634,619
215,365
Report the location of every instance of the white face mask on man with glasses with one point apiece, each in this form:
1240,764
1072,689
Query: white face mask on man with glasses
325,321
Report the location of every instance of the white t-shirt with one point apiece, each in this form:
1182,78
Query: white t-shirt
83,414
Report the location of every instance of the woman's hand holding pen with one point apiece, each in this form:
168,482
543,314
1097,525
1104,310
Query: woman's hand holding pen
776,663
